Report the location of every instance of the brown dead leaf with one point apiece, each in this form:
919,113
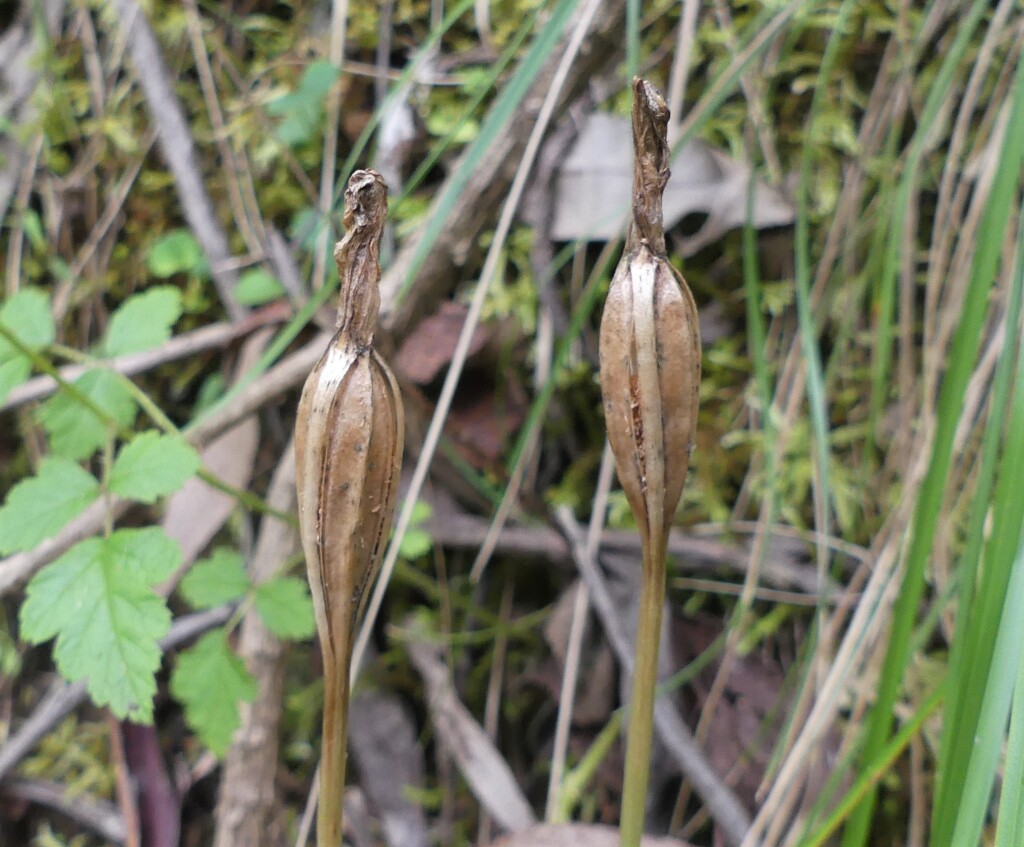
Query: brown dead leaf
196,512
595,697
594,185
577,835
429,348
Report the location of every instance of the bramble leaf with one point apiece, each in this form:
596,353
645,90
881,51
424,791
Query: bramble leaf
256,287
211,680
143,321
417,542
98,600
302,109
26,314
285,607
218,579
152,465
74,430
14,370
148,554
40,506
176,252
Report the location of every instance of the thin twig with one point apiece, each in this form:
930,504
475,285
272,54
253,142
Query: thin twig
211,337
246,805
573,652
98,816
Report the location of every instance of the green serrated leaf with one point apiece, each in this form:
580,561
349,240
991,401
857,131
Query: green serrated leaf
13,372
74,430
40,506
26,313
152,465
211,680
301,110
149,554
285,607
99,603
216,580
143,321
256,287
174,253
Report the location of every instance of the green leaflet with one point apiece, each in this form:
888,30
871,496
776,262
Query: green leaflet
285,608
75,431
211,680
152,465
143,321
40,506
98,601
25,314
219,579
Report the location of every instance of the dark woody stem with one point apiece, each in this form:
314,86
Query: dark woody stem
650,166
358,258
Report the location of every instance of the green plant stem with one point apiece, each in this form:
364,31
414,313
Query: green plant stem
641,708
334,743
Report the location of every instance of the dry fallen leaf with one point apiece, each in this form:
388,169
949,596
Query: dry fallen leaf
577,835
593,189
429,348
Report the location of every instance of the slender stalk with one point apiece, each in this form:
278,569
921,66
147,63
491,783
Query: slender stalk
641,708
334,746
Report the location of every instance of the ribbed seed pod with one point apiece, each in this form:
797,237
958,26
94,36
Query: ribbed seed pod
650,341
650,379
348,456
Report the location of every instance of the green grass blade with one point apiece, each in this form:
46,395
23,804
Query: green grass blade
961,360
1010,821
877,768
632,39
995,704
954,752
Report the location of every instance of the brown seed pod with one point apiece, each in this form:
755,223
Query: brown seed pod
650,341
348,455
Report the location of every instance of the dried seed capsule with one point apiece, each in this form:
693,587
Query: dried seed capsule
650,377
650,341
348,455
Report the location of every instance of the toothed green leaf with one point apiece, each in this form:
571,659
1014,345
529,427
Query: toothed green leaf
40,506
211,680
152,465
